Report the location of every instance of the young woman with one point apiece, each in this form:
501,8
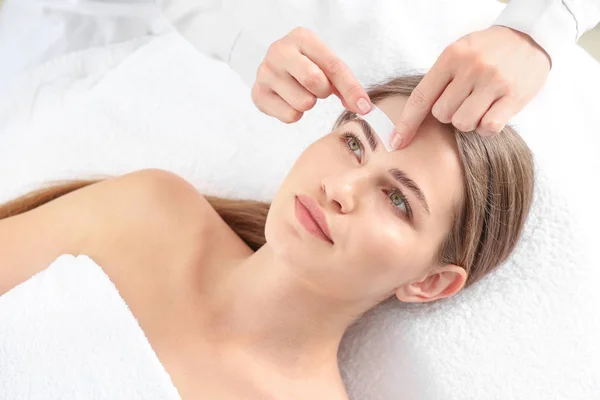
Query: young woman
241,299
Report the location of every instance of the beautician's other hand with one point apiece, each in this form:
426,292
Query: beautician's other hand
478,83
298,69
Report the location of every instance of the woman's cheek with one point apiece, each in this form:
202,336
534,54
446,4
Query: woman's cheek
388,246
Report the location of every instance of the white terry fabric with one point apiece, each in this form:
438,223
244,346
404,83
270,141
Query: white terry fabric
526,331
553,24
67,334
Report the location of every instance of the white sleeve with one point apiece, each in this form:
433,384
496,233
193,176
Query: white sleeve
553,24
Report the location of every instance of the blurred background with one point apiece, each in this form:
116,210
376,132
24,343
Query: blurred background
590,41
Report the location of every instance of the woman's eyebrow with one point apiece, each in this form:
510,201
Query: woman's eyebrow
405,181
398,175
368,132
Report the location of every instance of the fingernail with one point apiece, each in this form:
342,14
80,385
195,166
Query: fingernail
396,141
363,106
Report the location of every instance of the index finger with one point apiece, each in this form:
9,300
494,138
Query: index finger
338,73
420,102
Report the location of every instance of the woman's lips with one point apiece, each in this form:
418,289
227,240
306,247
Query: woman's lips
311,217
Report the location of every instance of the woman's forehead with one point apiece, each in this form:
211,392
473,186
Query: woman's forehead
432,140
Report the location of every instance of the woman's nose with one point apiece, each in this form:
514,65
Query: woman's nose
344,190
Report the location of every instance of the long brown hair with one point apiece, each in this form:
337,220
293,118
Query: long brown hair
498,175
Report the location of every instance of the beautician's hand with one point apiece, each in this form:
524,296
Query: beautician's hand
478,83
298,69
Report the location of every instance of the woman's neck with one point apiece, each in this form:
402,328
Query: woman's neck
261,305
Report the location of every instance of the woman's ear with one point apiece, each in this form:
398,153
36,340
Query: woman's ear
437,284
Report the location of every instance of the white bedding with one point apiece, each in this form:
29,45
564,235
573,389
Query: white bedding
528,331
67,334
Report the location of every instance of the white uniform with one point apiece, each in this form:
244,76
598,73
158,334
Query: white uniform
553,24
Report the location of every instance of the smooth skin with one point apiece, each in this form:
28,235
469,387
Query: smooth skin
478,83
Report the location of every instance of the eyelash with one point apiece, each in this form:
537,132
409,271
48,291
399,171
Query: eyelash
351,136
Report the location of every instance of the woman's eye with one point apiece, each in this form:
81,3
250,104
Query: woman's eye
399,201
354,145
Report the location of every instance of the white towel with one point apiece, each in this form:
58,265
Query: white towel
528,331
67,334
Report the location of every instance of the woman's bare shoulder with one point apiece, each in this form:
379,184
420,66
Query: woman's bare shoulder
140,217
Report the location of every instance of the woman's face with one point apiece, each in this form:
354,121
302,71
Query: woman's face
387,213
